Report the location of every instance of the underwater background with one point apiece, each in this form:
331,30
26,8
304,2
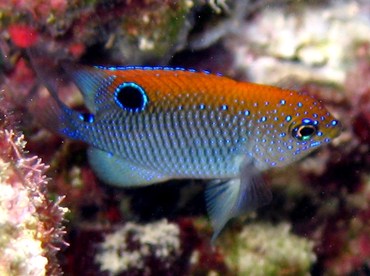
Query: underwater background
57,218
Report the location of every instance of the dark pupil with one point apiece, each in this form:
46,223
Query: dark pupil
130,97
306,131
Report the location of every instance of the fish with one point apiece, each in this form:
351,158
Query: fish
147,125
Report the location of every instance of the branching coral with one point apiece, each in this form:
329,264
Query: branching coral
31,230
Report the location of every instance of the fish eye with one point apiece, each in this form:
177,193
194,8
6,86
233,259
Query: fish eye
130,96
305,131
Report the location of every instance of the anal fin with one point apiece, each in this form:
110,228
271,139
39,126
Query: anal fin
119,172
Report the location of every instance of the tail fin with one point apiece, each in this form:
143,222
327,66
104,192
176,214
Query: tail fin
51,112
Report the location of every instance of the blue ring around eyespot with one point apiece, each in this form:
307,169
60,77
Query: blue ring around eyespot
139,88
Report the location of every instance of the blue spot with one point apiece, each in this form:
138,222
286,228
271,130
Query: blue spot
86,117
283,134
322,118
246,112
202,106
131,97
290,147
307,121
327,140
334,122
315,123
282,102
315,115
263,119
300,104
276,119
319,133
288,118
273,164
315,144
224,107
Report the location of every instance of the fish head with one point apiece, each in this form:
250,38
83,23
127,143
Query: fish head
297,126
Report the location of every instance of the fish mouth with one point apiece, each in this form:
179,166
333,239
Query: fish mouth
336,130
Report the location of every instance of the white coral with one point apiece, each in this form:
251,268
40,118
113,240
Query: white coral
159,240
314,43
23,232
265,249
21,252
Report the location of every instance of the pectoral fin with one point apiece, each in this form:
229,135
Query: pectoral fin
228,199
119,172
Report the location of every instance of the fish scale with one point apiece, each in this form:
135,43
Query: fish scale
151,124
169,155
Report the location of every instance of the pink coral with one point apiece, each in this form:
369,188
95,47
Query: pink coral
31,225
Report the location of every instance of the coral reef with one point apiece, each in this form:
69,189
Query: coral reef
137,31
317,43
264,249
21,250
138,249
31,231
317,222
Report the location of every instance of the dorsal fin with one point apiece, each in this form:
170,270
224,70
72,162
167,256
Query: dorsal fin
92,83
55,114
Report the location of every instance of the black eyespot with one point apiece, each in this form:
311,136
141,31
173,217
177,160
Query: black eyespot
130,96
304,131
86,117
